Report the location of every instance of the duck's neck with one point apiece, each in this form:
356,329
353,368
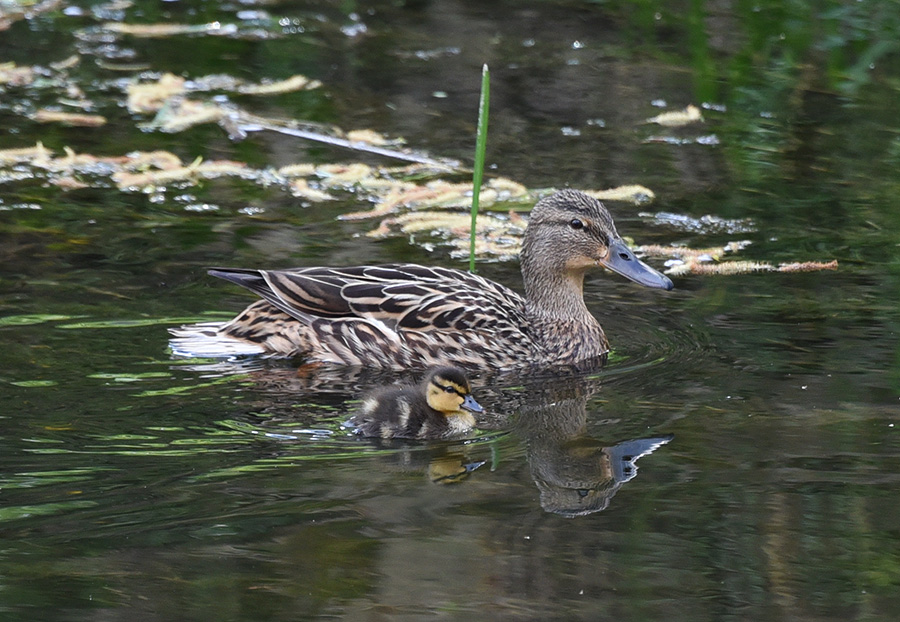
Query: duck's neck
555,294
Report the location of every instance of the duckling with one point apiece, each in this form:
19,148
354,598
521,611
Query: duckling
440,407
405,316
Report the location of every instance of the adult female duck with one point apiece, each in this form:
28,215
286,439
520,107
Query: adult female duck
405,315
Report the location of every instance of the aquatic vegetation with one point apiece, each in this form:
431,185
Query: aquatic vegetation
424,200
480,147
708,261
495,236
431,206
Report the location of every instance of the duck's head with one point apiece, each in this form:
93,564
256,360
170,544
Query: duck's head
447,390
570,231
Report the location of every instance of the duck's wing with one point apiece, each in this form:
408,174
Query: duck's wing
399,296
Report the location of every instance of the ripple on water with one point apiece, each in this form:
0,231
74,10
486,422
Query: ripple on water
646,352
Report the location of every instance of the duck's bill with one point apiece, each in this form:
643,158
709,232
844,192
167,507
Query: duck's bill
471,405
621,259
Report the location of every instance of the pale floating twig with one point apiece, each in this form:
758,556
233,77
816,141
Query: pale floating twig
72,61
407,155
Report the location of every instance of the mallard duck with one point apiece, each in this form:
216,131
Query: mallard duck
440,407
410,316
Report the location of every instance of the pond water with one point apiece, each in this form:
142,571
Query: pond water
764,406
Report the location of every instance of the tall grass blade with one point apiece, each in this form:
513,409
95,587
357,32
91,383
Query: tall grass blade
480,145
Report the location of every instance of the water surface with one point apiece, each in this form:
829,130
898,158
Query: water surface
134,485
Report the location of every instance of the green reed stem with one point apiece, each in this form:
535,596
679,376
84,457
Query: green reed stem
480,145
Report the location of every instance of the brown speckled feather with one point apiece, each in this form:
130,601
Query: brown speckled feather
397,315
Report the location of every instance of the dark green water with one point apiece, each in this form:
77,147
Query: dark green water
136,486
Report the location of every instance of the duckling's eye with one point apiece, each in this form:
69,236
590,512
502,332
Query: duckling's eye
576,224
449,389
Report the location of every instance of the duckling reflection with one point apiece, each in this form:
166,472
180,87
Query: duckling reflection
575,473
440,407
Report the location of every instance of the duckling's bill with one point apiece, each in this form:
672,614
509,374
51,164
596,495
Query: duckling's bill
622,260
471,405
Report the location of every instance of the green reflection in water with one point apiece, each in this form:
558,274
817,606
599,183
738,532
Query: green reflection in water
47,509
31,319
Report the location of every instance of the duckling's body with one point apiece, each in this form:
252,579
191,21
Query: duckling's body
405,315
438,408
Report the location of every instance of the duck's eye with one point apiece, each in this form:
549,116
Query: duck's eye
576,224
449,389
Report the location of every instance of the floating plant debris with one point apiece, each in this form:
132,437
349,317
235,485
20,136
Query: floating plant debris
294,83
685,253
412,200
69,118
35,154
370,137
11,12
422,200
157,31
440,193
708,261
151,96
678,118
177,116
745,267
14,75
632,194
496,236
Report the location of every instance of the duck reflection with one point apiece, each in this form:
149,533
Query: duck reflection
575,473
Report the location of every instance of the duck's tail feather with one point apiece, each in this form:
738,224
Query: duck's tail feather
205,340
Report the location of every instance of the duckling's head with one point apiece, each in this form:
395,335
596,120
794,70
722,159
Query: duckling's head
447,390
570,231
